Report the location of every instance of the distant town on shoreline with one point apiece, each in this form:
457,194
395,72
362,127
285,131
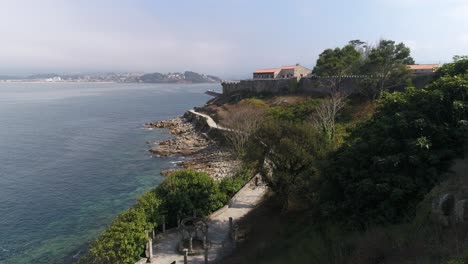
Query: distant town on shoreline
126,77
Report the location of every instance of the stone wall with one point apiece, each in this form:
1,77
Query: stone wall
318,85
269,86
206,125
309,85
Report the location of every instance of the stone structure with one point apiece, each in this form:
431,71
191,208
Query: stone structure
448,210
194,236
285,72
267,86
309,85
312,85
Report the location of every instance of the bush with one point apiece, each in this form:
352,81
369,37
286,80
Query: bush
298,112
123,242
231,185
187,191
391,161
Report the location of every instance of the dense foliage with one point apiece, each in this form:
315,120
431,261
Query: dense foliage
187,191
292,153
298,112
181,194
458,68
391,161
338,61
123,242
384,65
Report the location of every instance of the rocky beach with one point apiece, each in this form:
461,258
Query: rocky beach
201,152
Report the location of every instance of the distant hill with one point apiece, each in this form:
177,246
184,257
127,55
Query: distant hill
7,77
177,77
43,76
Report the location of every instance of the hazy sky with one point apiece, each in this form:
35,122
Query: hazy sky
228,38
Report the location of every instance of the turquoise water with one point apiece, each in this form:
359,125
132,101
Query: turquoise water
74,155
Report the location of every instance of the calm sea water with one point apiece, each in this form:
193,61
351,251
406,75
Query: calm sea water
74,155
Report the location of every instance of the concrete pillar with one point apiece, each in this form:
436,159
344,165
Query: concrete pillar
204,242
194,213
178,221
190,243
235,234
185,256
149,249
164,224
206,255
230,228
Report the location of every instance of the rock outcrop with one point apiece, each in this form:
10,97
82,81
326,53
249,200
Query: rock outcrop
189,140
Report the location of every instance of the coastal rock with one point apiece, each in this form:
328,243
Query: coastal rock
203,153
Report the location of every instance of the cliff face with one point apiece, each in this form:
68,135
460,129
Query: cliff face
177,77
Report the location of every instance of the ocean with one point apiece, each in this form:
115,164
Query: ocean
74,155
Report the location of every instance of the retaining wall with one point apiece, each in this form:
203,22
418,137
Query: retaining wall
206,124
310,85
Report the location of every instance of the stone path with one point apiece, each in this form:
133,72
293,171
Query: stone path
244,201
211,123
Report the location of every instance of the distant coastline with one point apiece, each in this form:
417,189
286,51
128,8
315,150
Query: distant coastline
187,77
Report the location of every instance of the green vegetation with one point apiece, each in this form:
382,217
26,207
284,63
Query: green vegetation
383,64
391,161
123,242
298,112
231,185
180,194
292,152
367,198
186,192
361,194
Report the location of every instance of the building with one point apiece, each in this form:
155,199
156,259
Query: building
423,69
297,71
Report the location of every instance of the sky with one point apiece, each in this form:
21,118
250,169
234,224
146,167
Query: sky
228,38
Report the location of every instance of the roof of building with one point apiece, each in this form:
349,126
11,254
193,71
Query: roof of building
271,70
288,67
423,66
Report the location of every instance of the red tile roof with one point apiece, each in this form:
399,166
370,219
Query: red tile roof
272,70
423,66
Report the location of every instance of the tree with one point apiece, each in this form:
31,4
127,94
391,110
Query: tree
243,121
337,63
326,112
187,191
458,67
386,67
289,155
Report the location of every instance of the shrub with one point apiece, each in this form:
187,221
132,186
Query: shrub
187,191
298,112
231,185
391,161
123,242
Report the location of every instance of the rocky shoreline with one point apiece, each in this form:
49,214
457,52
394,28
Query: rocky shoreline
202,153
